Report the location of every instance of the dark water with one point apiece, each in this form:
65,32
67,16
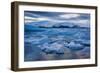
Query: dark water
56,44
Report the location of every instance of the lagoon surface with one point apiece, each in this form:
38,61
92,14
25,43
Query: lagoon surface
41,44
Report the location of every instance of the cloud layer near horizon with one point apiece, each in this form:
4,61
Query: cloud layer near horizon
50,19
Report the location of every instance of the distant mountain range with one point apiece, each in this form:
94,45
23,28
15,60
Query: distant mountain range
46,24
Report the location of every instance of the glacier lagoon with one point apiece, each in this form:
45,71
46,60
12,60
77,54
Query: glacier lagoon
42,44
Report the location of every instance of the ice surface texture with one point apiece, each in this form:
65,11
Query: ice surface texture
57,44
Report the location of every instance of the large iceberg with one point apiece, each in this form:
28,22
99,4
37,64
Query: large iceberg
75,46
52,48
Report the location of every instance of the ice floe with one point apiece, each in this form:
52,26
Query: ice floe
74,46
85,53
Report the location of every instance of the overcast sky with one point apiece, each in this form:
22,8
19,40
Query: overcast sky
52,18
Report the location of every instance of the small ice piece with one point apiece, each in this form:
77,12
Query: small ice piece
65,43
86,42
81,35
48,51
33,40
53,48
85,53
83,42
53,38
78,40
75,46
44,46
60,51
57,48
60,37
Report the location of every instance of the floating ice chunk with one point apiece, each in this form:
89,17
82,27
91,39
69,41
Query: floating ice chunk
54,39
60,51
52,48
36,39
60,37
56,46
45,46
86,42
85,53
74,46
78,40
81,35
48,51
83,42
65,43
86,49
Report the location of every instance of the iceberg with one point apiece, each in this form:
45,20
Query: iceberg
75,46
83,42
86,42
52,48
85,53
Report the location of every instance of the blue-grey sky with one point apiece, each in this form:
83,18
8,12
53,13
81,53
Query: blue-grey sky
49,19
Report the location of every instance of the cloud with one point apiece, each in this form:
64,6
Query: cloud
58,20
43,18
79,21
52,22
84,23
32,19
31,14
68,16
